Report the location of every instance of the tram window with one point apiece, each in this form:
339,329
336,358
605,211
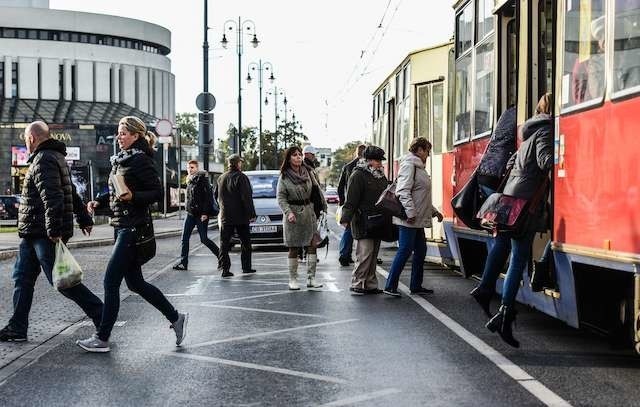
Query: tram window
424,111
484,88
384,99
463,101
438,116
464,30
485,18
584,59
626,65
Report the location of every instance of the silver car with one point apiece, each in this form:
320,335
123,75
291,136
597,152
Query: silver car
267,227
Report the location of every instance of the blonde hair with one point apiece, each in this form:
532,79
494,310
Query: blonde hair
135,125
544,104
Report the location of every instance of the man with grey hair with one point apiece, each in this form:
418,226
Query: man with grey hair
45,216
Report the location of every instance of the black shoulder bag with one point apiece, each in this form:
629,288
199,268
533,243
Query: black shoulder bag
145,242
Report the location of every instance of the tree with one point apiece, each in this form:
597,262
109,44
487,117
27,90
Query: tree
249,146
341,156
188,127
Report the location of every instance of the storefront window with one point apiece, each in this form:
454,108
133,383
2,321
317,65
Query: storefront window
464,30
484,88
485,18
626,65
583,76
463,101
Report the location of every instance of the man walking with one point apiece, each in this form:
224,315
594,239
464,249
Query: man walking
346,241
235,197
45,217
200,209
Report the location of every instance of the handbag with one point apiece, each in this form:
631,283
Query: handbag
467,202
316,198
145,243
389,203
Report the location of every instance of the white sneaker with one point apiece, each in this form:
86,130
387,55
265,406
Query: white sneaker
180,327
94,344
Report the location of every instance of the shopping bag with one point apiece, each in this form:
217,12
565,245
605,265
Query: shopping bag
467,202
389,203
66,270
502,212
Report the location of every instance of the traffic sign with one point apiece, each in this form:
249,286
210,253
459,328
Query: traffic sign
165,139
164,128
205,102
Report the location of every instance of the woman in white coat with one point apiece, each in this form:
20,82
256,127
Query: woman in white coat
413,188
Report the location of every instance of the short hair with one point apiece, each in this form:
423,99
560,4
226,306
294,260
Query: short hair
39,129
419,142
360,150
194,162
544,104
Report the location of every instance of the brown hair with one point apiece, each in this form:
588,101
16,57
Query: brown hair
135,125
286,164
544,104
360,150
419,142
194,162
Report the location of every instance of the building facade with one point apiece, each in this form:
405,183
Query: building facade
79,72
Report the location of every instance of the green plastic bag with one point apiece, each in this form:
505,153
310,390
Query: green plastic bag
66,270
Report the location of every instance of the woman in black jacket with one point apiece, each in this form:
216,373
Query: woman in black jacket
530,168
131,214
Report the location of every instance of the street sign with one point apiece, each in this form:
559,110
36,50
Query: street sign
165,140
164,128
205,102
73,153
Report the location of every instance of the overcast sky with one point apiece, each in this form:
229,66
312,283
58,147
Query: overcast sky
328,55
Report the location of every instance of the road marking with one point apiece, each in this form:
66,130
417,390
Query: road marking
252,297
332,287
533,386
261,334
204,304
364,397
258,367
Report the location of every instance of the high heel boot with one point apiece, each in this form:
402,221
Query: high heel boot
293,274
501,322
482,297
312,263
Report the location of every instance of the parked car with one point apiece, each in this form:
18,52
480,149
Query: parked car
267,227
331,195
9,210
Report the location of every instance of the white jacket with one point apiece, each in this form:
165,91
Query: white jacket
414,192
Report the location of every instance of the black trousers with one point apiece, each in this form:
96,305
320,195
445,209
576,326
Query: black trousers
226,232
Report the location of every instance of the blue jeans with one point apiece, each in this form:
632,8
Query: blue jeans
346,243
410,240
121,265
520,254
189,223
34,253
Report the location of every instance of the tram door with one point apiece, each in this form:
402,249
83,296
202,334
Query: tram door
543,28
507,56
391,136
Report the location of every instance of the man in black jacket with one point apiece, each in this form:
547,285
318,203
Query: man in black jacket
200,209
235,197
346,241
45,216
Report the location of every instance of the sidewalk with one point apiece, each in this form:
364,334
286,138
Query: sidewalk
101,235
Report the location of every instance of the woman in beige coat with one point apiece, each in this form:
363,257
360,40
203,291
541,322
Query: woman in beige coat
294,198
413,189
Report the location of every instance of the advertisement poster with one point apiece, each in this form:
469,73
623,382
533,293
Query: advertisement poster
80,178
19,155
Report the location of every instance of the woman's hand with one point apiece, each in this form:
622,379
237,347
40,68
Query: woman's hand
91,207
439,216
127,196
291,217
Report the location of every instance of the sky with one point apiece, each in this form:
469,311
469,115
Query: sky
328,56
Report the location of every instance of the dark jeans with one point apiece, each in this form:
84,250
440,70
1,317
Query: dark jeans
121,265
410,240
226,232
189,223
34,253
346,243
520,254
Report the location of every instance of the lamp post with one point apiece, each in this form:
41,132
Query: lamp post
275,92
240,26
260,67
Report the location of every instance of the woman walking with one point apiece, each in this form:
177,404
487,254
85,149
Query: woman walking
368,224
529,171
294,197
131,213
414,191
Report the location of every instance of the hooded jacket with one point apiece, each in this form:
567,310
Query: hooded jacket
199,194
413,189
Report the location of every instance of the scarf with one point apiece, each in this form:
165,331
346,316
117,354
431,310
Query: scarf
298,178
124,155
376,172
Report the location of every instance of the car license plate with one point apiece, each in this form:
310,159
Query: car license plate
264,229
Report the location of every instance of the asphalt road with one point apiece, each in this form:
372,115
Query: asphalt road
251,341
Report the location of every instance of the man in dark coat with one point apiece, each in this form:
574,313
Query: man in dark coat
235,197
45,216
346,241
200,208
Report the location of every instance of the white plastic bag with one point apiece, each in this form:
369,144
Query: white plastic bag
338,214
66,270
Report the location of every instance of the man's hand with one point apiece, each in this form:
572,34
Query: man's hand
439,216
54,239
204,218
86,230
91,207
291,217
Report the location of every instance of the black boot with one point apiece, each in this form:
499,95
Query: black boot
501,322
483,297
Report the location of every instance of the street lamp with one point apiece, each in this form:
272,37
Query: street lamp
240,26
275,93
260,67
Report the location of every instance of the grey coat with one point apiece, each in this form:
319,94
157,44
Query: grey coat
413,189
297,234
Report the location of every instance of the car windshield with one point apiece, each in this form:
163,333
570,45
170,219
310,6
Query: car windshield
264,185
331,191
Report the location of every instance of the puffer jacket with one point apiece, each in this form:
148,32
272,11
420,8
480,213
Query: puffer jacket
235,197
501,147
137,167
46,204
199,194
413,189
363,190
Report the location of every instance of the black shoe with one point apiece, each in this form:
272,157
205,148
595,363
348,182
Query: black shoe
344,262
422,290
357,291
227,273
249,271
393,293
379,261
8,334
501,322
180,266
373,291
483,298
